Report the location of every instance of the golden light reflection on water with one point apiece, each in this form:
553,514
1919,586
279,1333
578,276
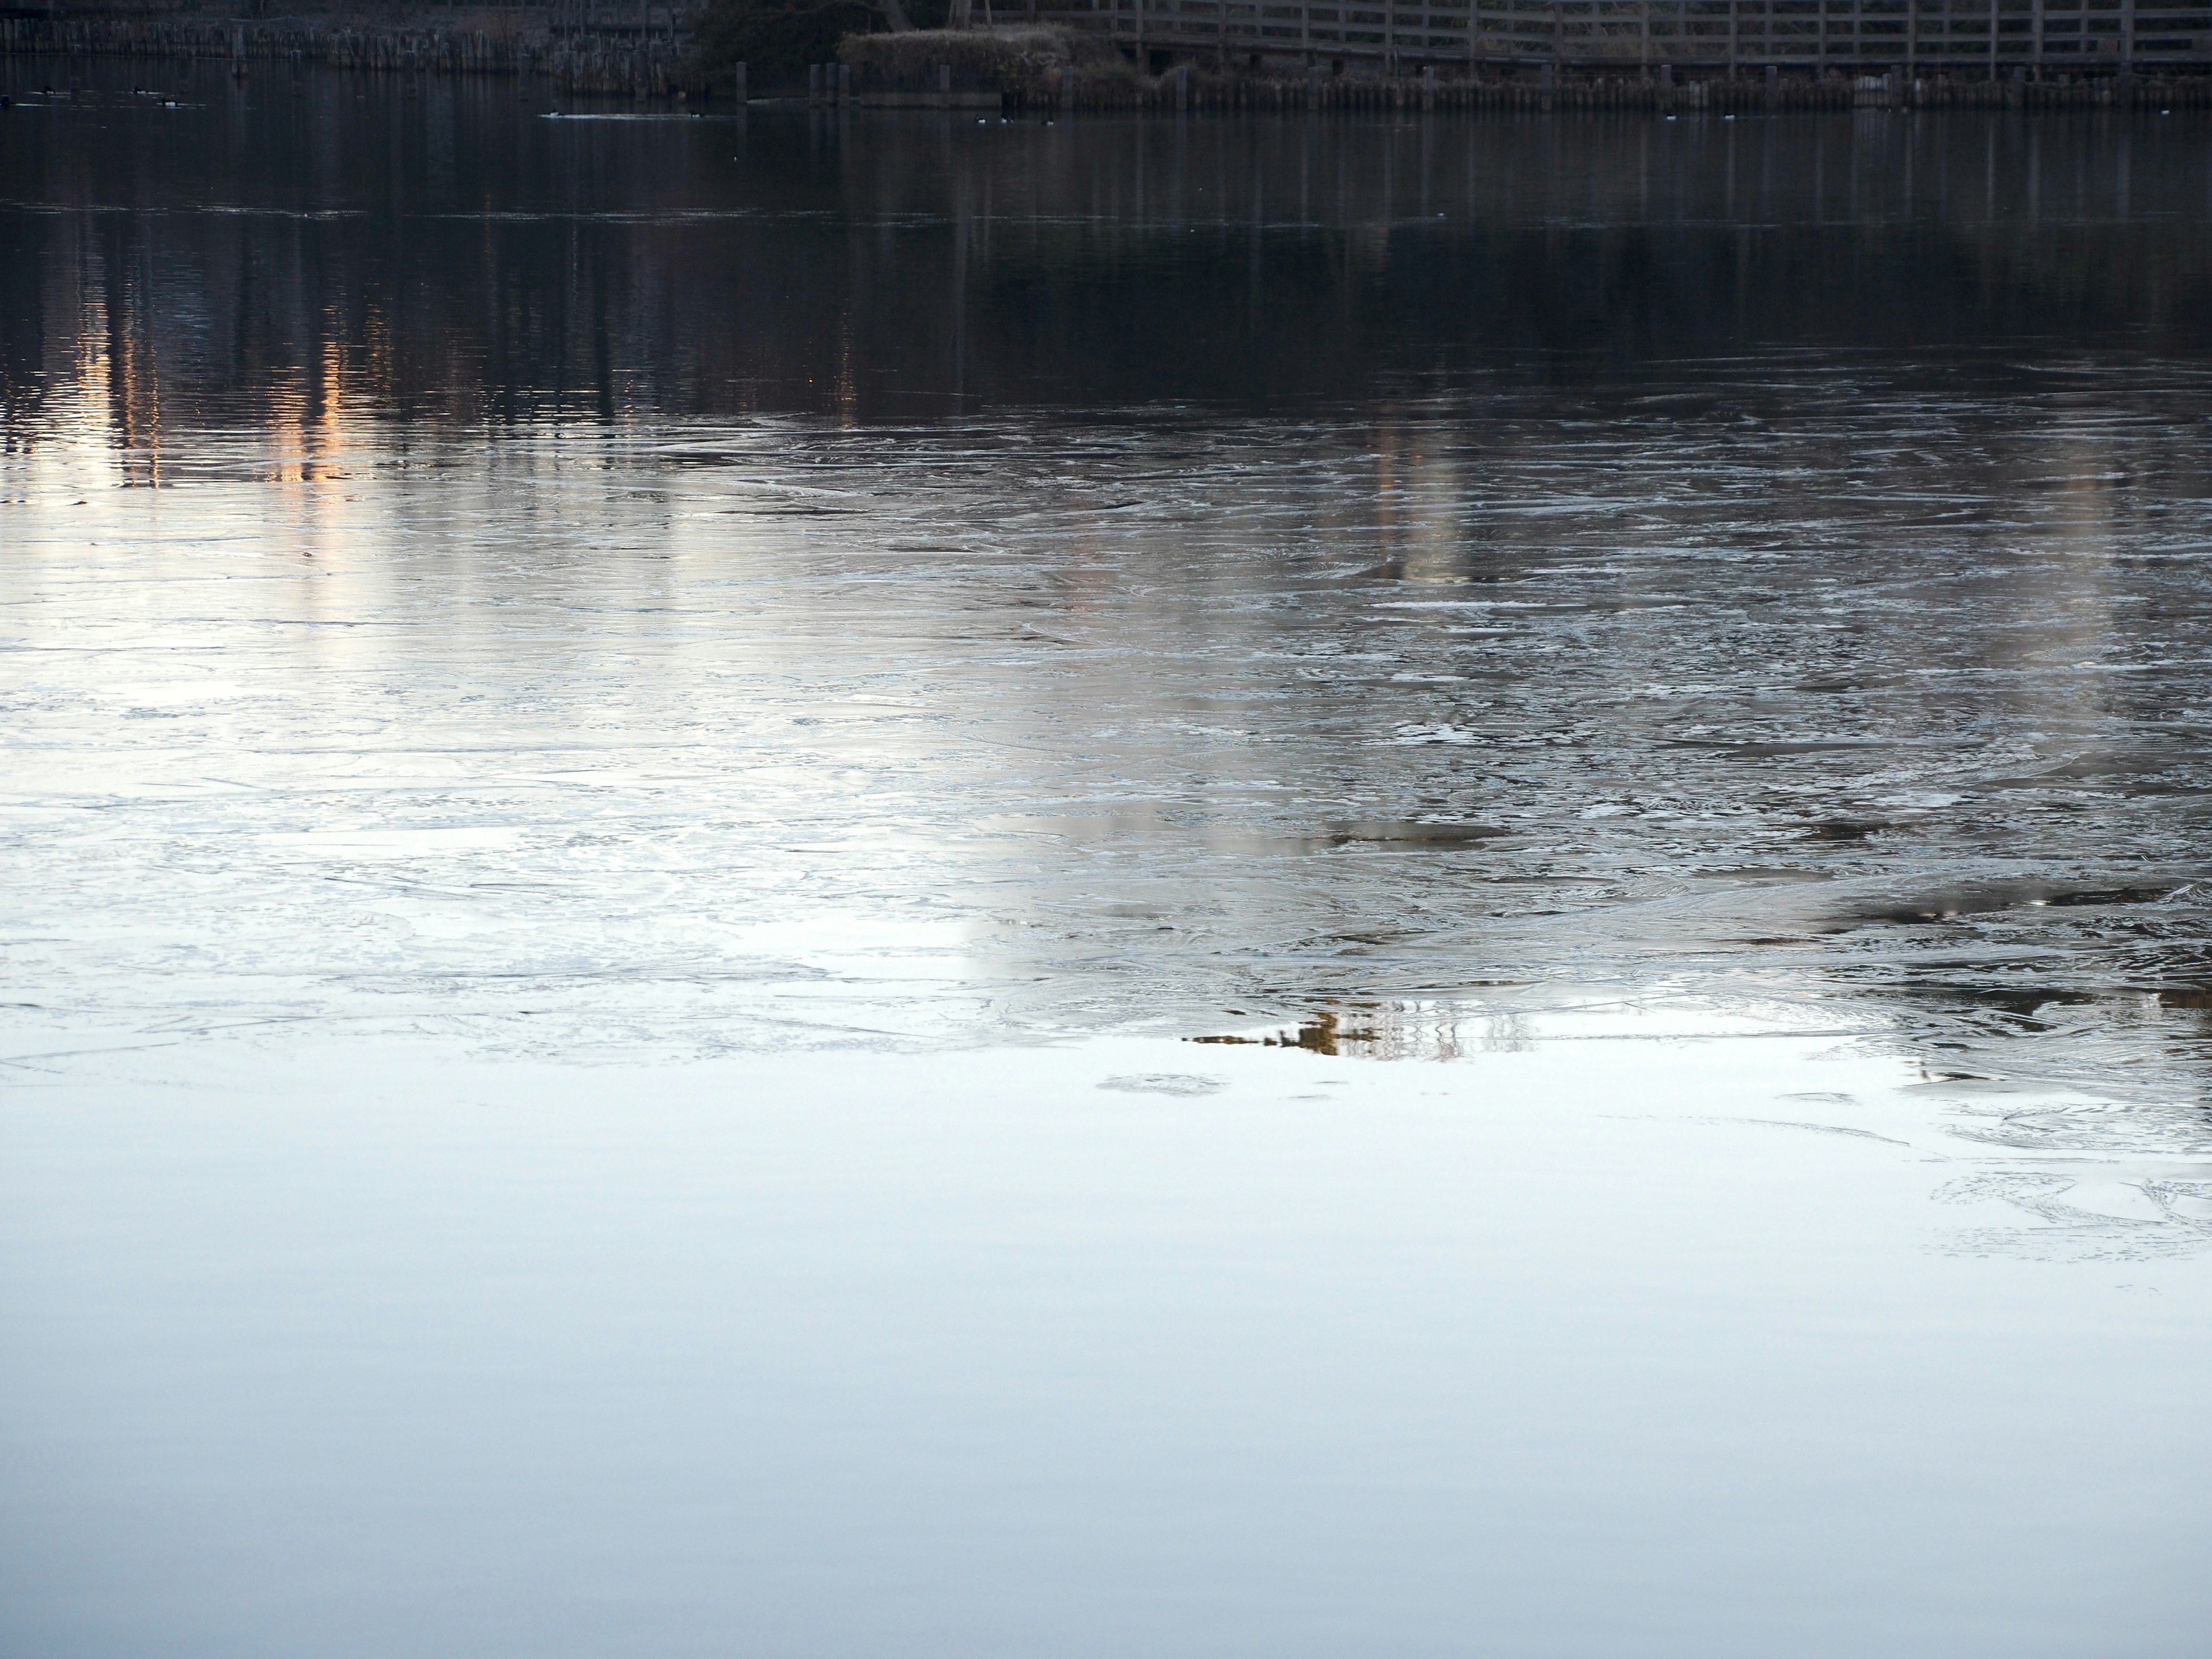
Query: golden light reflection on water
1644,660
755,870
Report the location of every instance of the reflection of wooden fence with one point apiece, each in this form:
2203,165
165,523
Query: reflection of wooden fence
1953,35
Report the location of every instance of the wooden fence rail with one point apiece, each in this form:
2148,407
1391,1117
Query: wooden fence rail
1945,36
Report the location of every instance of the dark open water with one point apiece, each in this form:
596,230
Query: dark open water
596,591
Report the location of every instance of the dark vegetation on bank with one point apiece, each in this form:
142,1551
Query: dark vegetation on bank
778,40
641,61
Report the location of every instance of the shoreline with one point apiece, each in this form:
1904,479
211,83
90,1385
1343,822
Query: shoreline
644,62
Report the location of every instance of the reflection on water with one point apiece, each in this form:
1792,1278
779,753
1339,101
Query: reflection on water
799,580
1704,624
287,249
704,732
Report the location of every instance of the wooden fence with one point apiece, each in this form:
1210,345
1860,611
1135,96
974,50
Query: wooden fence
2099,37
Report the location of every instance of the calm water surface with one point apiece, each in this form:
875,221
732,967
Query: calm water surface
633,745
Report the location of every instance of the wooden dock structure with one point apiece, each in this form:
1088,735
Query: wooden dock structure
1951,38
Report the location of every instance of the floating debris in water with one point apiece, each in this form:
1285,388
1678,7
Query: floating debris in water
1321,1034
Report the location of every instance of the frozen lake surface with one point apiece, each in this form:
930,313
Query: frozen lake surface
1276,888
